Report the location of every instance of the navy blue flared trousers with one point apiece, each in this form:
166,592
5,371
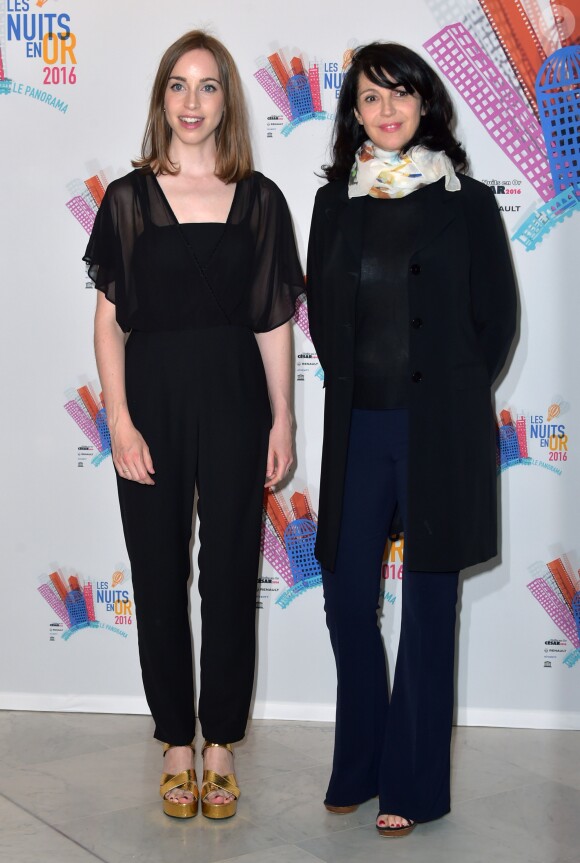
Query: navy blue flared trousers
398,747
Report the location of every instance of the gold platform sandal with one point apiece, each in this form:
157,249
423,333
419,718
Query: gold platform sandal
212,781
185,781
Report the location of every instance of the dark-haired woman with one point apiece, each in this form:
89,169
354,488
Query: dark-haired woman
193,254
412,308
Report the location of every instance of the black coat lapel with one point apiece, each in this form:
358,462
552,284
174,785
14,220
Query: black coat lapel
437,211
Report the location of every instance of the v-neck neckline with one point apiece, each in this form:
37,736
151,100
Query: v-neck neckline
182,224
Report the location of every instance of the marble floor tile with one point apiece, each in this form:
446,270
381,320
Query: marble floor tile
76,788
438,842
291,804
13,817
28,737
541,820
282,854
259,756
477,773
145,834
315,740
40,844
32,738
550,754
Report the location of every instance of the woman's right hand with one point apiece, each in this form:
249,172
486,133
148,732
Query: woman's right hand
131,454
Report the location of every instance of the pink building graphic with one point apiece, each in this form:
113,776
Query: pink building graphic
522,436
314,79
557,588
269,83
496,104
86,199
301,318
471,15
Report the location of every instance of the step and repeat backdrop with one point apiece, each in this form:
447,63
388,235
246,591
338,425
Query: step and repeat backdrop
75,77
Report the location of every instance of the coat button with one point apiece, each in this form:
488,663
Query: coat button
415,269
417,323
416,377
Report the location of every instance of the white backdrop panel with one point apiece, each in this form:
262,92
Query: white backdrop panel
518,652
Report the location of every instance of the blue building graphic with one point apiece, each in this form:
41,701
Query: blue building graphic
299,96
300,539
77,608
558,98
103,430
509,447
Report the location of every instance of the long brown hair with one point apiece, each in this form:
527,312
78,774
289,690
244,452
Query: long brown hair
234,154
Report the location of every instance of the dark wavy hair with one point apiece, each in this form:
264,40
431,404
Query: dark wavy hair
407,69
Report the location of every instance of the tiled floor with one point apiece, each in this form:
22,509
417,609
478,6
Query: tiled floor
75,788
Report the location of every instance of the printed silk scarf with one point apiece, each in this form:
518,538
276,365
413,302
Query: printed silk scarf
383,174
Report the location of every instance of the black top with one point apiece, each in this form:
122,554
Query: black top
381,361
145,262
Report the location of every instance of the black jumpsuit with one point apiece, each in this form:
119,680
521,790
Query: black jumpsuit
192,296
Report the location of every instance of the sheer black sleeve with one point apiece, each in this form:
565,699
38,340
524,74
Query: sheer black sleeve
277,275
100,252
109,254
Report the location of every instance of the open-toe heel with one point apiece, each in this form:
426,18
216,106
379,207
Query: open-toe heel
226,785
185,782
403,830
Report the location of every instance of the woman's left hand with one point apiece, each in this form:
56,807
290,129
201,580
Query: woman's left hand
280,456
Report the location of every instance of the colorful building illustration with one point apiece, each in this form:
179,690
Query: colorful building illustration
88,411
533,229
314,81
69,601
288,539
520,41
301,320
295,90
522,436
301,317
493,100
470,14
557,588
74,603
512,441
540,47
269,83
86,199
558,97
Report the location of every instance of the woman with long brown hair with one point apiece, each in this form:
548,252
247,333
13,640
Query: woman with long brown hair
194,257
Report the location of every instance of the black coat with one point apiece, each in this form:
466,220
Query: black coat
462,302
